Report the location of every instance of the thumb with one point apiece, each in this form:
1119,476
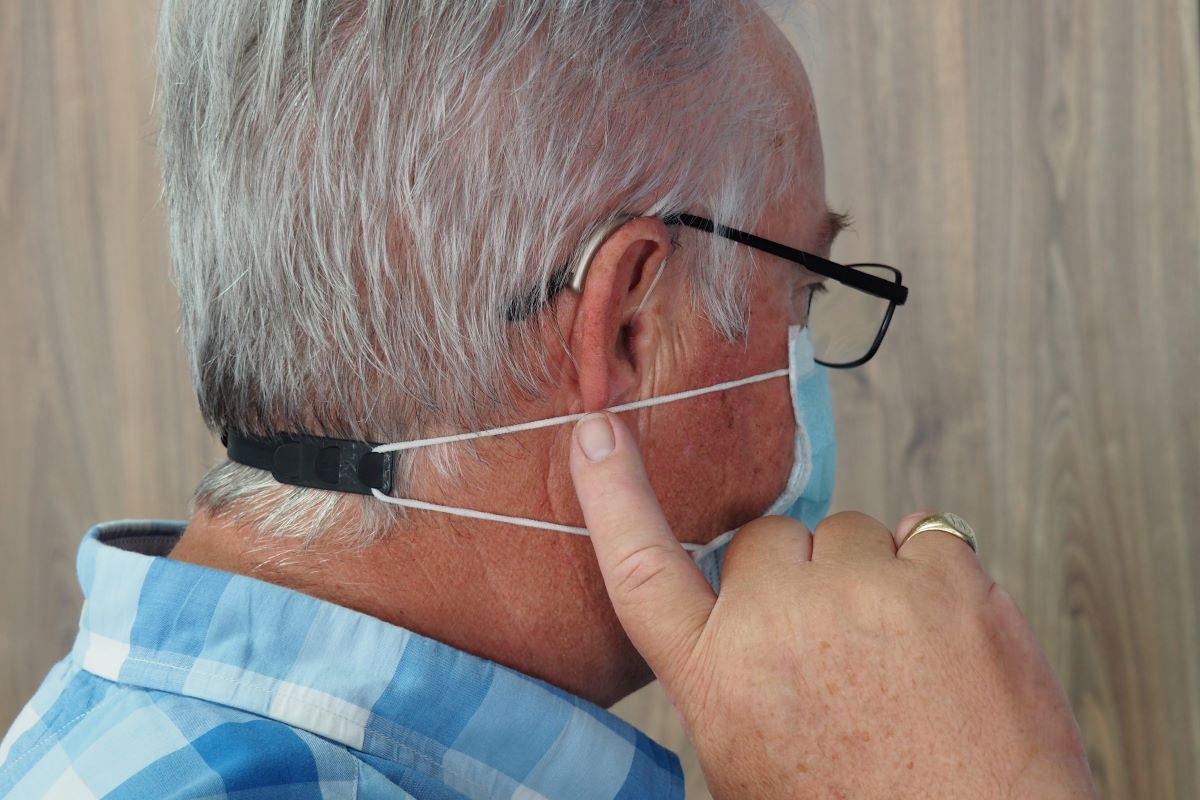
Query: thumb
658,592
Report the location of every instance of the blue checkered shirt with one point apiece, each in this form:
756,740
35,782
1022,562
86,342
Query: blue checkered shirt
186,681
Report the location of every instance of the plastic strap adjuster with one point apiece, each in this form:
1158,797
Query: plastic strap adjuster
338,465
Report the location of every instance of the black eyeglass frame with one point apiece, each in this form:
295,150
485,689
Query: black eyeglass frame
895,292
848,274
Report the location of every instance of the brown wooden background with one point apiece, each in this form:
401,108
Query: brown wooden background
1033,167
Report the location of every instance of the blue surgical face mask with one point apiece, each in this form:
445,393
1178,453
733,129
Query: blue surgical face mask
810,484
809,489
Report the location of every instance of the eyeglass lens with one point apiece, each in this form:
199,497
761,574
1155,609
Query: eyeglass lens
844,322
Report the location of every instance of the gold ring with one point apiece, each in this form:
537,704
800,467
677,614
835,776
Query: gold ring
946,522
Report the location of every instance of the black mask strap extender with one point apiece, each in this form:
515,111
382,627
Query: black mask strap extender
338,465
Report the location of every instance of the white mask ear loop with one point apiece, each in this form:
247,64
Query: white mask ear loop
545,423
661,269
471,513
567,418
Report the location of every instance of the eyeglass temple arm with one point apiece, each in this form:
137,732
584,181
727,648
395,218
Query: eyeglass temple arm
865,282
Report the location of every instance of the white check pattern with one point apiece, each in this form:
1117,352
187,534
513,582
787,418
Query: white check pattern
189,682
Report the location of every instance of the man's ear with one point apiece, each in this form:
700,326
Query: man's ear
617,279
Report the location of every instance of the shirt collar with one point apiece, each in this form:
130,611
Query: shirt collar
372,686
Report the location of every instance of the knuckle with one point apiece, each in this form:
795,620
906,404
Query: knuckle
759,543
639,568
845,520
772,526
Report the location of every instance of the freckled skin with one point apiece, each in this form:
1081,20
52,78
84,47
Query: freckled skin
535,601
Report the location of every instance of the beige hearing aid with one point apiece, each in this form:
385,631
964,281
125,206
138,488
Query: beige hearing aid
591,246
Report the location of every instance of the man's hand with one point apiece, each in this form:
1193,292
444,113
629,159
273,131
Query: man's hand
831,665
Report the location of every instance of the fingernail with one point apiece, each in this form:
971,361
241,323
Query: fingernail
595,436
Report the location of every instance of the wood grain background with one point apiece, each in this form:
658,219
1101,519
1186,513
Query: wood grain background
1033,167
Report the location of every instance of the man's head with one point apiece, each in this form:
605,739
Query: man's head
359,192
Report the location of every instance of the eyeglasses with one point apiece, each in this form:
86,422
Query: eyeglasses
848,315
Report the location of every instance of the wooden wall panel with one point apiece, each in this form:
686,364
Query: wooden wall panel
1033,167
97,411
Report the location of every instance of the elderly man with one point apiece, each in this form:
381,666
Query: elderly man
413,242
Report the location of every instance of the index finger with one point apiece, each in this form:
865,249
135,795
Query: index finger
660,596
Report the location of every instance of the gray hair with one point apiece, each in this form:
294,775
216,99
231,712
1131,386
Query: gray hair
357,190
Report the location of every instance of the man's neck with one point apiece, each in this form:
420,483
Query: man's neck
529,600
